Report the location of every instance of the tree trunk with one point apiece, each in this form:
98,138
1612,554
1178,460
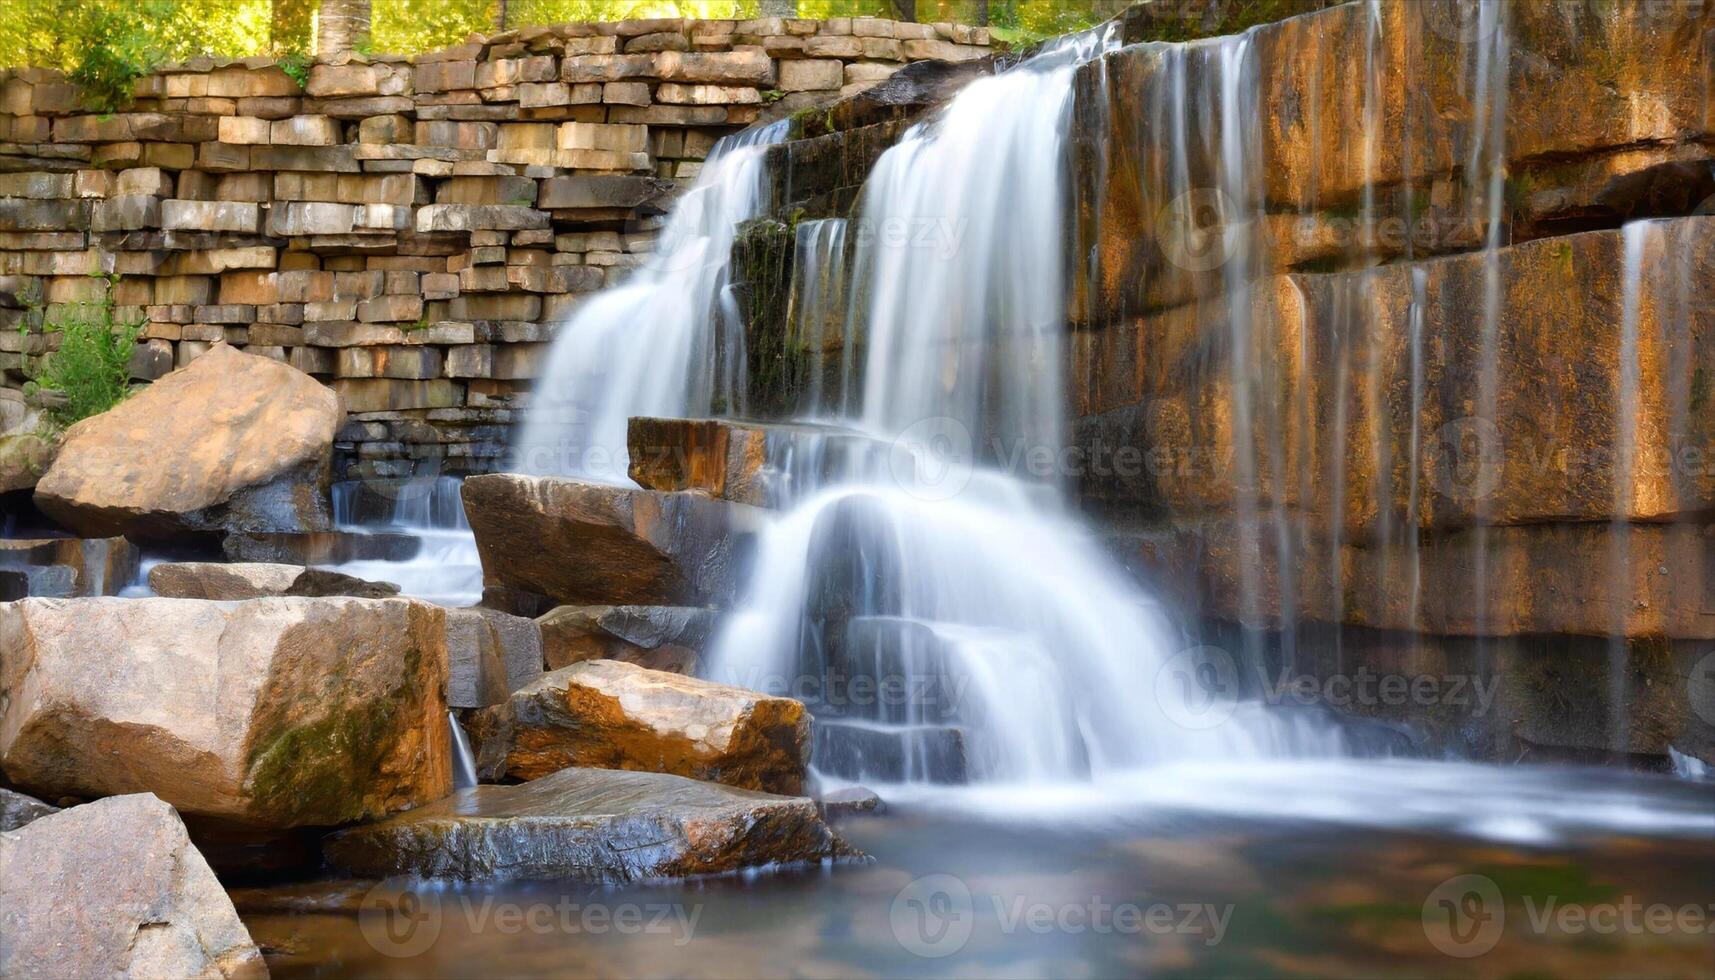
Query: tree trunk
500,13
341,28
779,8
981,15
905,9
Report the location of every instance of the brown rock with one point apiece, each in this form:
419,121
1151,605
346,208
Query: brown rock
221,580
269,713
590,825
115,888
582,543
670,638
614,715
231,441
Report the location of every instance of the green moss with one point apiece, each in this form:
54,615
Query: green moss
311,774
1699,389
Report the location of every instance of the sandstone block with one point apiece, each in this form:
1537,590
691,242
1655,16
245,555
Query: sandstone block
115,888
225,709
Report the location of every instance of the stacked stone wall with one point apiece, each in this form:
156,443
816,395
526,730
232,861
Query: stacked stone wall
409,230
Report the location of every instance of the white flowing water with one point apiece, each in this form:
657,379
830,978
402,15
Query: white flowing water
653,345
464,761
446,568
1012,636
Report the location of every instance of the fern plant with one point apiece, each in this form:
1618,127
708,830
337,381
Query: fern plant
92,368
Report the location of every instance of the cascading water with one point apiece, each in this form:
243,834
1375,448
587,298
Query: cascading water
446,568
944,616
650,346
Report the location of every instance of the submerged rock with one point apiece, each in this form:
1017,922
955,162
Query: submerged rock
114,888
848,801
579,543
658,637
230,442
268,713
16,809
621,716
590,825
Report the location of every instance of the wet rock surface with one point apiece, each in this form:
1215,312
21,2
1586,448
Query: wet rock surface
672,638
490,655
616,715
102,566
230,442
114,888
590,825
268,713
583,543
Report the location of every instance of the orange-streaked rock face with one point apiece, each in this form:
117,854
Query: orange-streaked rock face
231,442
615,715
1367,403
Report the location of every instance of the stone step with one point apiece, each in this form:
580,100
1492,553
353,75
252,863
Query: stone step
886,753
599,825
41,581
322,547
103,566
768,464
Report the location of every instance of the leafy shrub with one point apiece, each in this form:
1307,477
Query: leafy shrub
92,368
297,68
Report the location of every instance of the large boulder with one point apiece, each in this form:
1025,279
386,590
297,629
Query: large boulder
590,825
659,637
115,889
620,716
101,566
230,442
268,713
580,543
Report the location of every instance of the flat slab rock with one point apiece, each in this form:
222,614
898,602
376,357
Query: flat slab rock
599,825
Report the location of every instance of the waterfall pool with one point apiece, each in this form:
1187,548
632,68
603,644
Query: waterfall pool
1315,869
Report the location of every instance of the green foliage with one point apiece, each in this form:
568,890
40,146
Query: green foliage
106,44
92,367
297,67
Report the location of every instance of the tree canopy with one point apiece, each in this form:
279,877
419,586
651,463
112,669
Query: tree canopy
105,37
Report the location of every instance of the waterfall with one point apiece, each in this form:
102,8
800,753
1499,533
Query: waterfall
650,345
446,568
464,761
950,573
